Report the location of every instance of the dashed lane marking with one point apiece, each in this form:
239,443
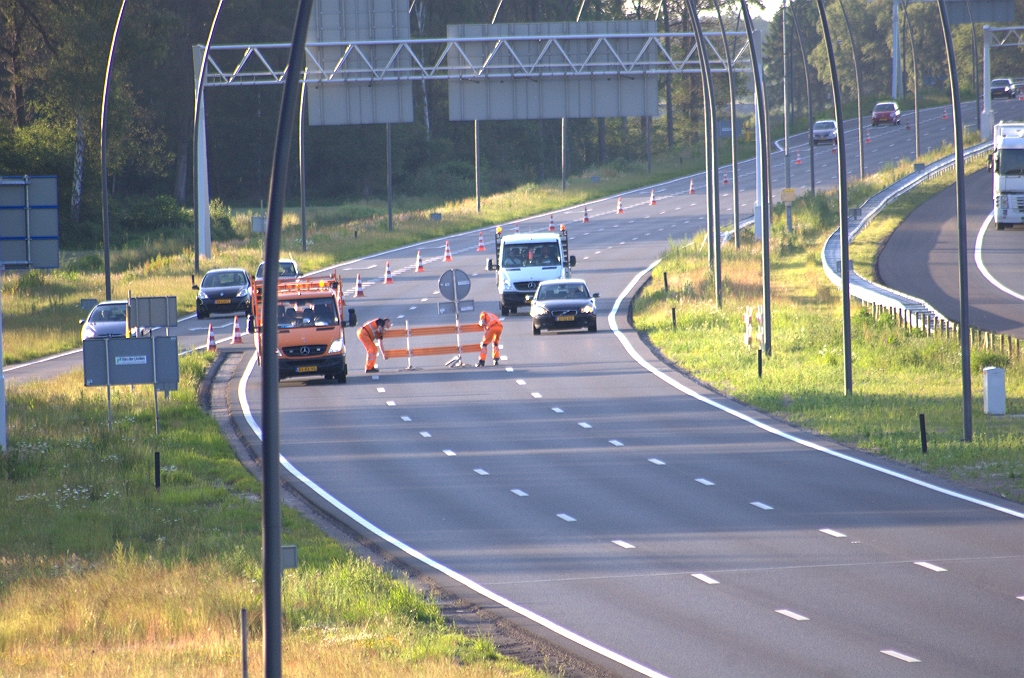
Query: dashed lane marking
902,657
929,566
656,461
406,418
448,453
380,389
519,493
704,578
830,532
792,615
584,424
623,544
509,369
536,395
426,434
557,410
481,472
521,382
704,481
566,517
391,403
616,443
761,505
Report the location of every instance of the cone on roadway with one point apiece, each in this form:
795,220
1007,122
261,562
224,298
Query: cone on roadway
867,135
388,280
798,160
835,146
653,201
586,217
692,190
447,252
725,178
618,206
359,285
945,114
236,332
211,343
551,222
419,262
480,243
515,229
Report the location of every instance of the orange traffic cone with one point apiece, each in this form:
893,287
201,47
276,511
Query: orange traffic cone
419,263
692,190
359,285
618,206
945,114
515,229
835,147
725,178
447,252
867,136
653,201
388,280
480,243
551,222
236,332
211,343
798,160
586,217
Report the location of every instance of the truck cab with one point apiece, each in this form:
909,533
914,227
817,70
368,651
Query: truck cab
525,260
1007,167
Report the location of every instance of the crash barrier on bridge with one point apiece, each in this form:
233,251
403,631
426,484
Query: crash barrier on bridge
409,333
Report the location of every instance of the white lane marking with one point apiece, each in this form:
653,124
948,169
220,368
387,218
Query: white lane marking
521,382
566,517
406,418
509,369
391,403
536,395
587,257
504,357
929,566
426,434
375,377
423,299
656,461
519,493
448,453
584,424
792,615
623,544
768,428
47,359
1020,597
830,532
557,410
761,505
902,657
481,472
981,264
380,389
704,578
616,443
704,481
413,308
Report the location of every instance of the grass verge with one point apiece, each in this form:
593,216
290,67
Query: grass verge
102,575
897,373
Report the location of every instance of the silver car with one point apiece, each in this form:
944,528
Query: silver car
824,132
106,319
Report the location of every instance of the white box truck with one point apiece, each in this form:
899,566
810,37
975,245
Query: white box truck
1007,166
524,260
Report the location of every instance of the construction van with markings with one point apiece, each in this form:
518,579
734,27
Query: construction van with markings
525,260
310,327
1007,166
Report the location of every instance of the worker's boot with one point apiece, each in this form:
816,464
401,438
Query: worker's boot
481,363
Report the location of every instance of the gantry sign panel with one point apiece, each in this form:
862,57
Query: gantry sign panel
338,103
527,73
29,237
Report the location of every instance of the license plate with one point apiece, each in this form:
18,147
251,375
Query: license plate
223,301
566,318
306,368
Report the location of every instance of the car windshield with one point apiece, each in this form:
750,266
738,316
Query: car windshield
1010,161
885,108
1000,83
322,312
108,313
224,279
531,254
563,291
824,125
285,269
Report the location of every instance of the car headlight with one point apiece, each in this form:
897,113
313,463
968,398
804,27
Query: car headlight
506,284
337,346
202,295
589,308
537,310
88,333
244,292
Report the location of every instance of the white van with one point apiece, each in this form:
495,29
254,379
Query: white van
525,260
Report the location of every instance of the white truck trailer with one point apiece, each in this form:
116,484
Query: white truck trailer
1007,167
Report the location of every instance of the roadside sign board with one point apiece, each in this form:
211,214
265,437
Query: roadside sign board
135,360
153,312
453,283
29,237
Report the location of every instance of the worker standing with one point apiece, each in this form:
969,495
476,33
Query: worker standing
492,335
370,334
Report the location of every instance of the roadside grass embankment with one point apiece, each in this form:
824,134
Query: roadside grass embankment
42,309
897,372
103,575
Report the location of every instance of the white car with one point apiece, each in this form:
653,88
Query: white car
824,132
287,269
106,319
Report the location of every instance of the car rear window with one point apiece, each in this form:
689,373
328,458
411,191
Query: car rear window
224,279
885,108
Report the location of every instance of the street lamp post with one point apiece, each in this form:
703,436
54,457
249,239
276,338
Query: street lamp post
913,57
196,207
810,105
856,77
732,132
103,151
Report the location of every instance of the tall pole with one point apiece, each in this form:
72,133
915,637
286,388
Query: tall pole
974,66
897,66
961,219
103,151
270,402
844,221
302,166
785,116
563,156
765,199
810,105
913,56
710,153
387,133
732,131
669,119
856,77
197,209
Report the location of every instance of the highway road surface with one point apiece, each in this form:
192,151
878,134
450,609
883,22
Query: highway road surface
597,497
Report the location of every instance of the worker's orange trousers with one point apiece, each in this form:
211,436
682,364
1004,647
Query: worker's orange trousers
492,335
371,348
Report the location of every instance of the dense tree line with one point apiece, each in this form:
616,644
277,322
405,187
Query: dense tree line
53,55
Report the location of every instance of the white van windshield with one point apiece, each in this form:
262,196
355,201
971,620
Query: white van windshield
531,254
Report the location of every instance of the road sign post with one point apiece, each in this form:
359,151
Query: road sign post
454,285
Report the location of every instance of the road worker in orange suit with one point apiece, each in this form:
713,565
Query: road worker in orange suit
370,334
492,335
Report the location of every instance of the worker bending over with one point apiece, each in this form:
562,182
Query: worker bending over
492,335
371,334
